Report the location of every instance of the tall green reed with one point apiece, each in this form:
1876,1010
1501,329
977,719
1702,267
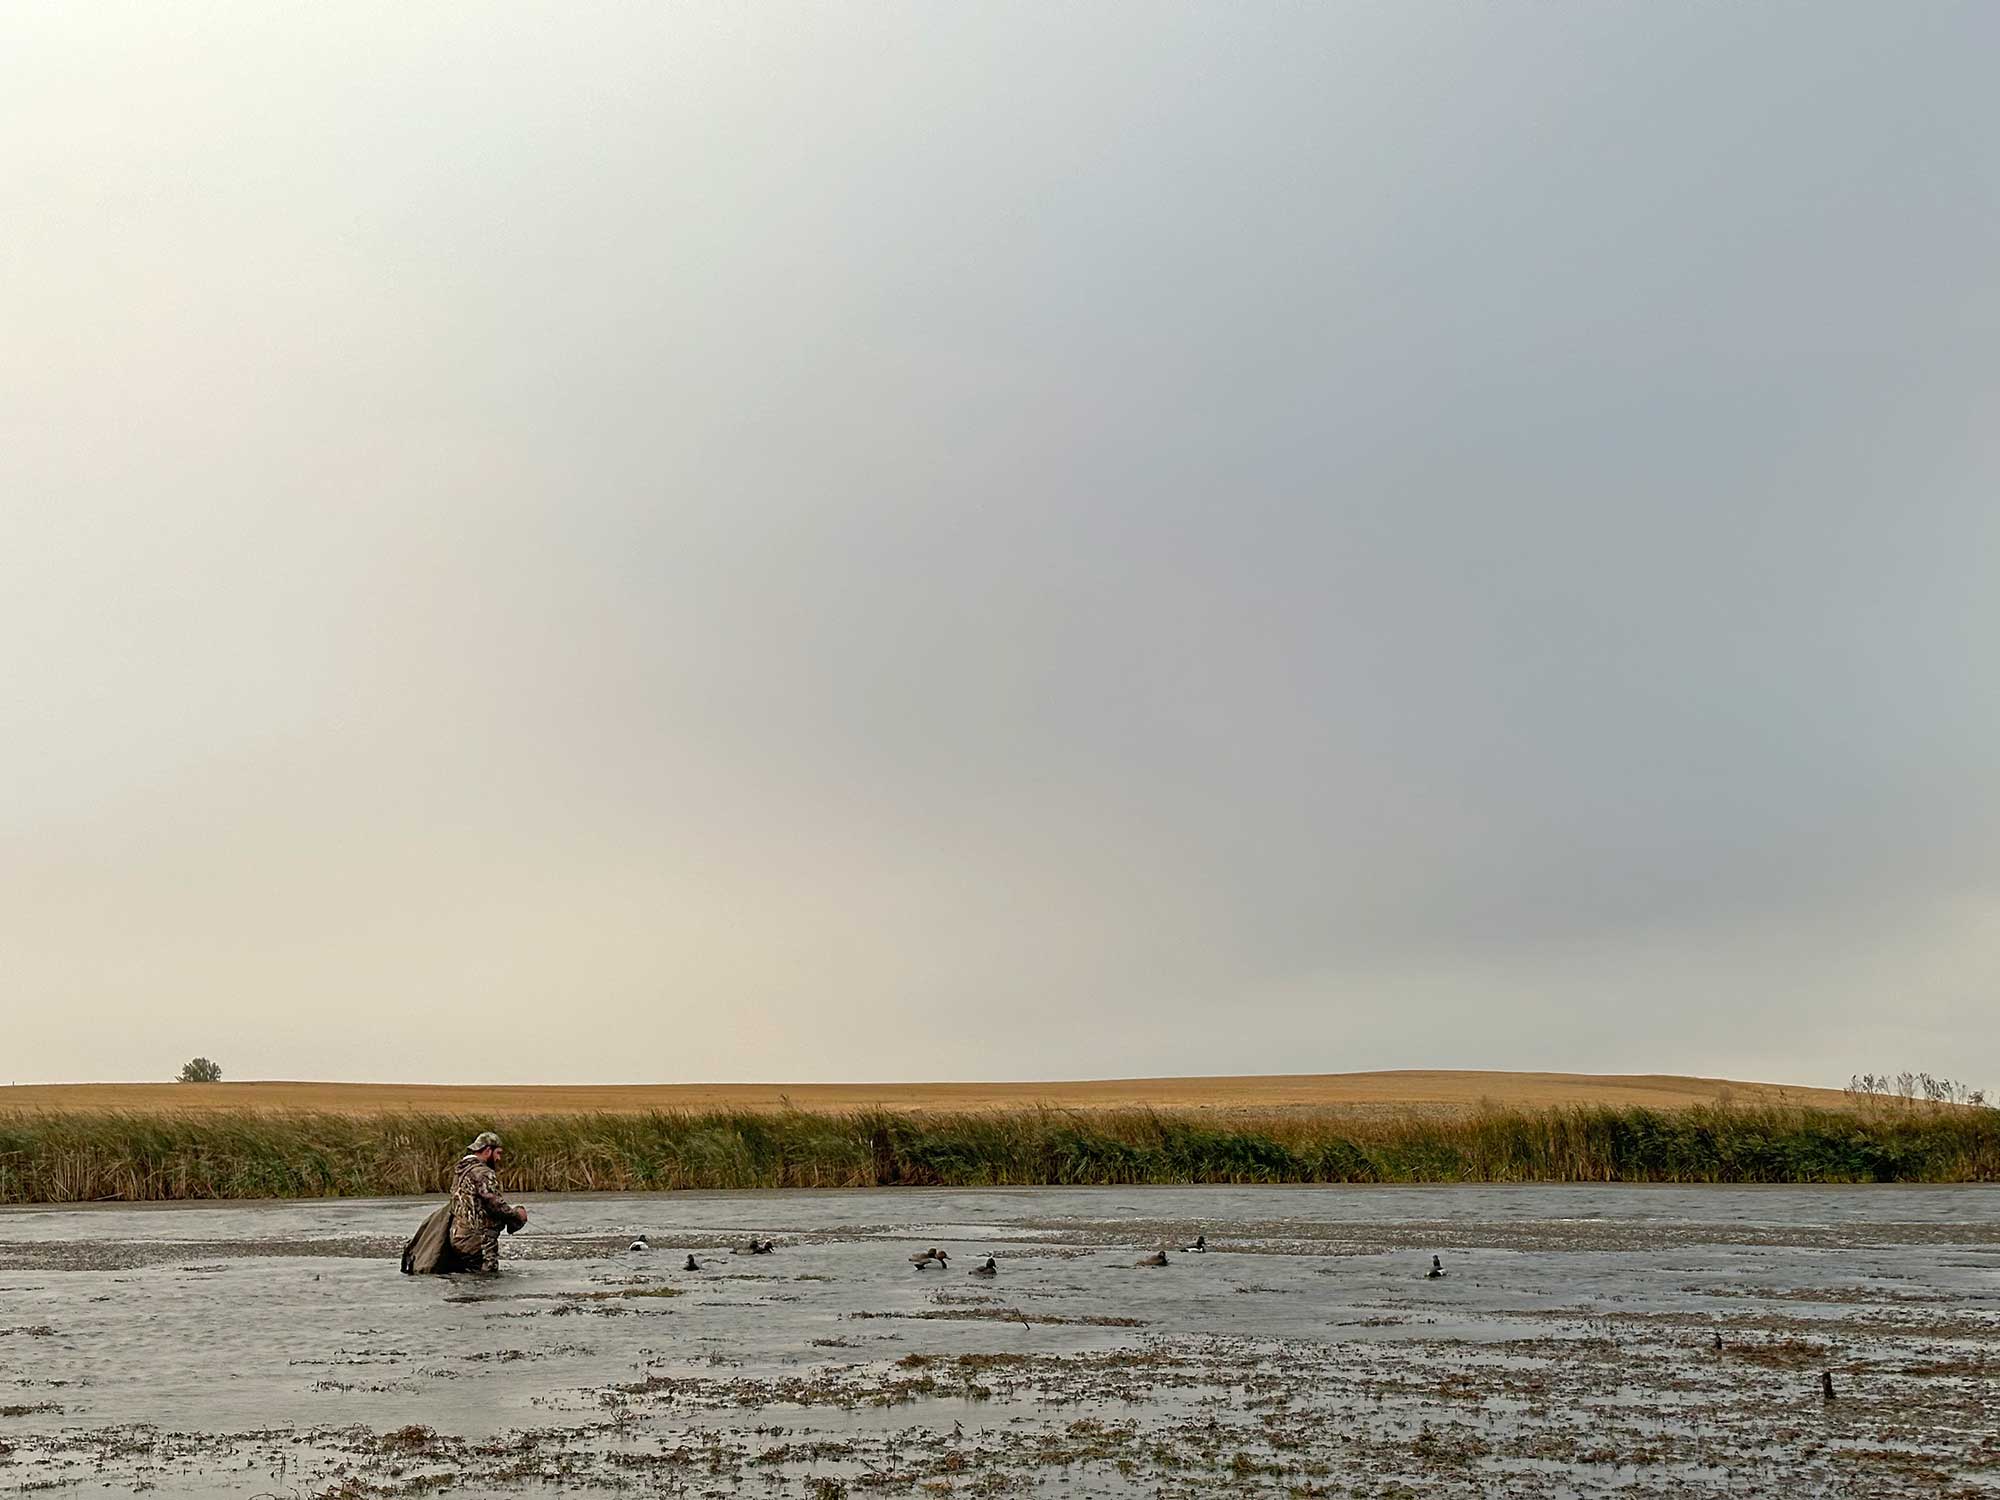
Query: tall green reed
63,1158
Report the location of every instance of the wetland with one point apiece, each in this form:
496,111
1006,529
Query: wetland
1586,1340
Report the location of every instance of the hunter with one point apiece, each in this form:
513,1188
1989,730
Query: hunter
478,1211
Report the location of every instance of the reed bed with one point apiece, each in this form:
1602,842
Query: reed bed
82,1157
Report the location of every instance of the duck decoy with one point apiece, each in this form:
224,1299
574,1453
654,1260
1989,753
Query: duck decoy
692,1264
1826,1385
1200,1245
639,1244
932,1254
1436,1271
989,1269
1157,1259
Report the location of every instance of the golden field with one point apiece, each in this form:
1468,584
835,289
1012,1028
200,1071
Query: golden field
1429,1092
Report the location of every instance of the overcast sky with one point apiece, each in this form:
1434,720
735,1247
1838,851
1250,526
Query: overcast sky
946,541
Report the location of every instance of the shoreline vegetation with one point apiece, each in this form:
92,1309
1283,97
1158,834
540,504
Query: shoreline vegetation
89,1156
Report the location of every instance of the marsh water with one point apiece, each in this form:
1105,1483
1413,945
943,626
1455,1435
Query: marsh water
1571,1348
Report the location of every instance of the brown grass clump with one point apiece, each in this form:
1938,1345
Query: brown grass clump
1779,1354
411,1439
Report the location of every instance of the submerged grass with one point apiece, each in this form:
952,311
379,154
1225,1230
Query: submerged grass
80,1157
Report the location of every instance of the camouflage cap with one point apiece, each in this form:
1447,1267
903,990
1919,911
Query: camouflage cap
484,1139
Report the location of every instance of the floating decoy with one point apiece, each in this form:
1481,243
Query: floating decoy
692,1264
639,1244
1157,1259
1200,1245
1826,1385
989,1269
932,1254
1436,1270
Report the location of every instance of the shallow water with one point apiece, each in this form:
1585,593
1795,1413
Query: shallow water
274,1349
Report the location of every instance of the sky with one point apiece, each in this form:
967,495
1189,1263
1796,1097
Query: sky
799,542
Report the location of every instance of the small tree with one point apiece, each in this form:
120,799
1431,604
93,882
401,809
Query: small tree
201,1070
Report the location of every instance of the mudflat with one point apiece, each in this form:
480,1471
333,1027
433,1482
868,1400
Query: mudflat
1428,1091
1584,1341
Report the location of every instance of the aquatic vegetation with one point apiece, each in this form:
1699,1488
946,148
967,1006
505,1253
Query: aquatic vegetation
77,1157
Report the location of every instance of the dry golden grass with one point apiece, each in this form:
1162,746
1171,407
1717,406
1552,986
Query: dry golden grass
1418,1092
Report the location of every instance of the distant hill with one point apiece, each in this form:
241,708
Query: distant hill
1419,1091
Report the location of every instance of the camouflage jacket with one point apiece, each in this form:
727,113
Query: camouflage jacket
476,1205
